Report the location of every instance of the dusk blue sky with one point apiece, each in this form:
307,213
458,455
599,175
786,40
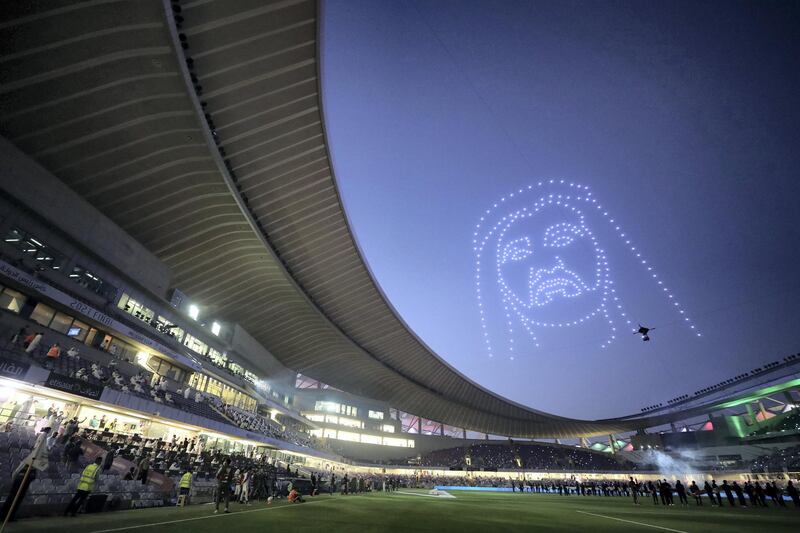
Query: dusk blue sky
683,118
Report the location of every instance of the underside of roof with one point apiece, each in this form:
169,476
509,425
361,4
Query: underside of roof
197,127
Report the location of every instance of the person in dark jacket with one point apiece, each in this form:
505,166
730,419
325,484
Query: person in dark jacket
681,490
728,493
791,490
737,489
709,490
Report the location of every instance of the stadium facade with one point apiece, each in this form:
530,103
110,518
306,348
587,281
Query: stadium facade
168,203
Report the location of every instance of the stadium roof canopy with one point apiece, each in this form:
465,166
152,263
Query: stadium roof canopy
205,140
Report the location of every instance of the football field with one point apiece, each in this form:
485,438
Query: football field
416,511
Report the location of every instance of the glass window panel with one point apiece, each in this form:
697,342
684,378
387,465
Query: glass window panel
42,314
61,322
82,330
12,300
352,437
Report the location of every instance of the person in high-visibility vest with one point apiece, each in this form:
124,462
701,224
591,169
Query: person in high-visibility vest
85,486
186,485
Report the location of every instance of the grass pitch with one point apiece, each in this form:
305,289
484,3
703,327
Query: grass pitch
467,512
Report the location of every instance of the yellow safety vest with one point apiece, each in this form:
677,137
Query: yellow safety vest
186,480
88,477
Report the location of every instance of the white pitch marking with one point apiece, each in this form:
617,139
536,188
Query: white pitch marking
633,522
445,495
220,515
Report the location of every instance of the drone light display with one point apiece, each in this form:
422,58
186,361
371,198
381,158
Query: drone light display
538,257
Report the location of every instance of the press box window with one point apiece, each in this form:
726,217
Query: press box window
87,279
44,257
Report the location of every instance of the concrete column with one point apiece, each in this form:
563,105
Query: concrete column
750,414
788,395
762,410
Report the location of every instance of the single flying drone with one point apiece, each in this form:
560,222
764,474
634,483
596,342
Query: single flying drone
643,331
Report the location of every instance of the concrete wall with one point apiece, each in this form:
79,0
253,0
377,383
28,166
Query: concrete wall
259,359
32,185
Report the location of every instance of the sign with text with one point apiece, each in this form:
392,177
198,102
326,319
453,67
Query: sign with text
13,369
73,386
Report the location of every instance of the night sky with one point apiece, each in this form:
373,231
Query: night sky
682,119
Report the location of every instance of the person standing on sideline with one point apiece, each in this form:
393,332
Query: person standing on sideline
737,489
186,486
634,490
728,493
716,492
653,492
791,490
681,490
224,478
85,486
332,484
710,491
25,474
695,490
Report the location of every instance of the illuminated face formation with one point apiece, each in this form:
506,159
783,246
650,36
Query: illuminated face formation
538,258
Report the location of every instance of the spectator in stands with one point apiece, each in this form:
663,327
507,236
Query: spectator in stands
19,336
24,475
85,486
54,352
108,460
144,468
34,342
72,352
71,428
72,453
